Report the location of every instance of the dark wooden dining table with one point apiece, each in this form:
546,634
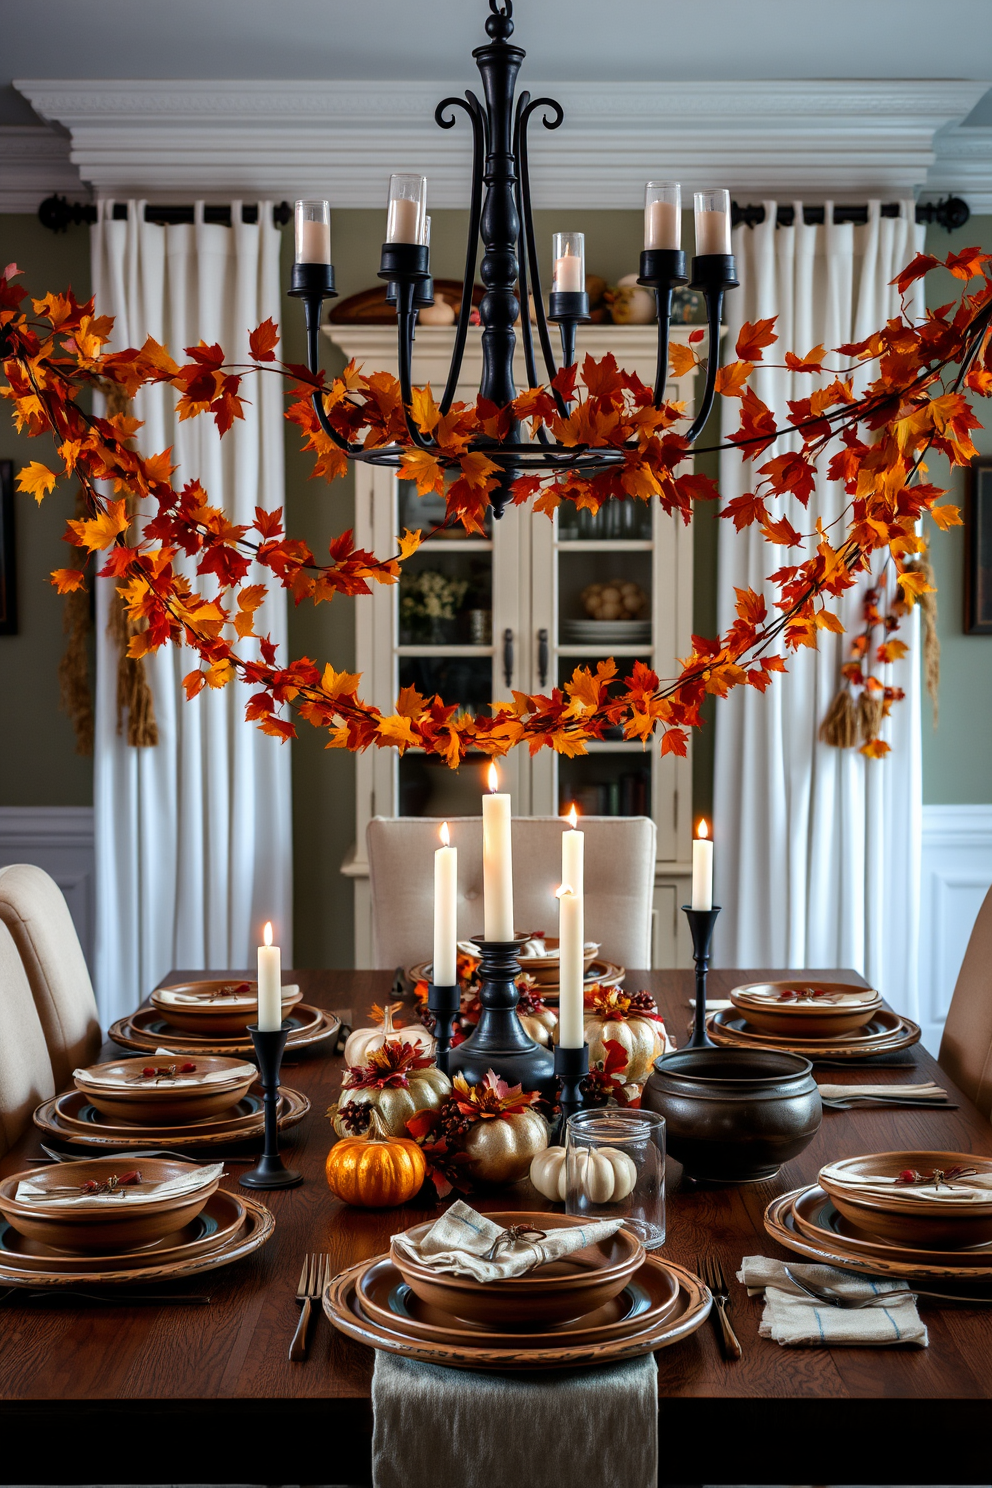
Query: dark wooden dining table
208,1392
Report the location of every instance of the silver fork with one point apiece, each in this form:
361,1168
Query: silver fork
313,1279
836,1299
711,1271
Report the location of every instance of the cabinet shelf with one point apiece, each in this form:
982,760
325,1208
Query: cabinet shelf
456,545
605,545
452,650
604,650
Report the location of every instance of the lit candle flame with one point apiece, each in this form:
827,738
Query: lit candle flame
702,830
445,835
267,933
573,817
565,889
493,776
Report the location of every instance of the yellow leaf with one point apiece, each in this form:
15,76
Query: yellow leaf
37,479
826,620
99,532
219,673
339,684
731,380
477,468
423,467
424,410
681,359
876,749
639,480
395,729
409,703
249,600
67,579
913,585
946,516
409,543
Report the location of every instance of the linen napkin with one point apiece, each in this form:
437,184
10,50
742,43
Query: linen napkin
928,1091
439,1426
461,1241
793,1319
975,1189
203,999
29,1190
123,1074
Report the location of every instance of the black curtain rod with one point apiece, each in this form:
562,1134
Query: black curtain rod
950,213
57,213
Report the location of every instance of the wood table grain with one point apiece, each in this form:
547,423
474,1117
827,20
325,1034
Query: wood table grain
78,1384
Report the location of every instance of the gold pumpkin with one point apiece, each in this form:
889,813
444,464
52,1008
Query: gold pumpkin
377,1171
502,1151
538,1019
641,1037
397,1081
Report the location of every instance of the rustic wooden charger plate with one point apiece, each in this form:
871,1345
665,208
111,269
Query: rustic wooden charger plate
606,973
254,1230
886,1033
218,1221
61,1118
147,1030
837,1250
385,1298
817,1217
343,1306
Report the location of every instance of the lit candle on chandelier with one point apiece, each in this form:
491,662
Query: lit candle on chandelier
497,861
663,214
444,971
571,1021
712,220
269,984
702,868
569,251
406,214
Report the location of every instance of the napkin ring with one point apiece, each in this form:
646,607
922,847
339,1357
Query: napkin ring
522,1233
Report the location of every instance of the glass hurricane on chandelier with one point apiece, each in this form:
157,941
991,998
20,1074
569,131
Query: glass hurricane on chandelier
500,213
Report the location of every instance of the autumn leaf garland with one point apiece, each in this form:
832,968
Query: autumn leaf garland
914,401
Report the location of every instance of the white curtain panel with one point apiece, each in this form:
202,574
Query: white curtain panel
817,848
193,836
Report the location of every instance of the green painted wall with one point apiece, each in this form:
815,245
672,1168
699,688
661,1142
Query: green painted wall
38,763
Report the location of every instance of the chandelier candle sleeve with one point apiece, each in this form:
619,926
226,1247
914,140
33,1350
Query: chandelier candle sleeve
313,232
269,984
702,870
444,971
497,862
570,263
663,214
573,855
712,215
571,937
406,218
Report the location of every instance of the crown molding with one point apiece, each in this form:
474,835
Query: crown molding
963,166
34,162
342,139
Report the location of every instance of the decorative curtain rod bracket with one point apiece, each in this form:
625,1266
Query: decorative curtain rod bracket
58,214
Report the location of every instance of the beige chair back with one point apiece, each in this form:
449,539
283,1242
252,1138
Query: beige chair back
619,882
966,1046
25,1068
34,910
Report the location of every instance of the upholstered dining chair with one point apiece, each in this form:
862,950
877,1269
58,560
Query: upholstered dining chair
34,910
619,882
966,1045
25,1068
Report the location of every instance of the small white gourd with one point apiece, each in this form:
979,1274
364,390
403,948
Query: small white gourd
364,1041
605,1174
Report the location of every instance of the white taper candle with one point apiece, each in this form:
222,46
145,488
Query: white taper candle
445,967
497,862
571,934
269,984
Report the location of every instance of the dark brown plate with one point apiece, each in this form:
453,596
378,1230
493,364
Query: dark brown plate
780,1224
147,1030
342,1305
255,1229
886,1032
385,1298
817,1216
96,1130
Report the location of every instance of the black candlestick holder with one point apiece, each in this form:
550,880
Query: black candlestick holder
571,1068
444,1003
270,1171
701,922
500,1041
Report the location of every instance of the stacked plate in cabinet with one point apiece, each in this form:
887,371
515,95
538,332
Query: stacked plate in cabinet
915,1215
606,632
605,1302
823,1020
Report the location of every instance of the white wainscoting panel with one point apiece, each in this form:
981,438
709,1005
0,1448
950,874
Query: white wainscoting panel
60,840
956,874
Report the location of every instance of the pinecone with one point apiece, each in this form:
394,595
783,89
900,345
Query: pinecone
356,1117
453,1123
642,1002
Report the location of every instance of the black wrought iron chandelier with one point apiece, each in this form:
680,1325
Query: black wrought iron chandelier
500,214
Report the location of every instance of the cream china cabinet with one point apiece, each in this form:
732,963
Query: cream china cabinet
474,617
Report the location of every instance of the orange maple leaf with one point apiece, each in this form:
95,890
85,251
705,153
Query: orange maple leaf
263,340
67,579
37,479
754,337
731,379
99,531
424,468
681,359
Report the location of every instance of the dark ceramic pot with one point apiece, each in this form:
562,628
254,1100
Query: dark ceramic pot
734,1115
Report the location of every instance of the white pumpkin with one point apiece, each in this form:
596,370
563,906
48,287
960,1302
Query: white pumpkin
363,1041
605,1174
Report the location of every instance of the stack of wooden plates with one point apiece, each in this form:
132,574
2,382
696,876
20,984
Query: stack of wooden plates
216,1008
650,1303
914,1238
74,1121
823,1020
605,973
167,1090
209,1229
150,1029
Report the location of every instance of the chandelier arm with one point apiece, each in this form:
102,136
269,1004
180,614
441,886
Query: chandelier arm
526,334
663,299
406,320
714,306
528,226
311,311
477,115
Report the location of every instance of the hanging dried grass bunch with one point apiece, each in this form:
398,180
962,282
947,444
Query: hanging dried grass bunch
840,727
871,711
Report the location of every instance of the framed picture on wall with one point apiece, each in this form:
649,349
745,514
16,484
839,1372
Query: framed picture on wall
8,558
978,549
